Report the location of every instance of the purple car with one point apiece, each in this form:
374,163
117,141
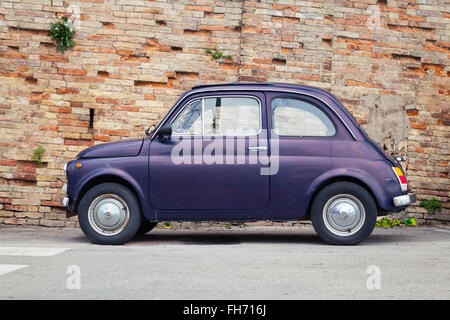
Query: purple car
240,152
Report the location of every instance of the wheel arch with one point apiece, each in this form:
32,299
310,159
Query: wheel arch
99,179
340,178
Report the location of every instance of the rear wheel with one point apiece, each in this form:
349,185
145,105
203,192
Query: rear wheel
343,213
109,213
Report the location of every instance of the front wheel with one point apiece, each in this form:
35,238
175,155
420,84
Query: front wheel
109,213
343,213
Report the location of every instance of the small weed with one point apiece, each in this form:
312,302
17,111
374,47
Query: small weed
389,223
216,54
228,225
167,225
432,205
37,155
238,28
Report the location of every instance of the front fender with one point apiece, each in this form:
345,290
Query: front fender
109,170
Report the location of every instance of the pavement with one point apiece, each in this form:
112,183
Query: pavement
240,263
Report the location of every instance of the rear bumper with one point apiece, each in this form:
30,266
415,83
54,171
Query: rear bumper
404,200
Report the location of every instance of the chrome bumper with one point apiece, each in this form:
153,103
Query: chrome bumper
65,200
404,200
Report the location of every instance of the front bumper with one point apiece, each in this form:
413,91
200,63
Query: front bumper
70,212
404,200
65,201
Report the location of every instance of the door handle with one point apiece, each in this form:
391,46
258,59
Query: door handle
257,148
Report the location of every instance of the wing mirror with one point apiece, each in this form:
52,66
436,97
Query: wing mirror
165,133
150,130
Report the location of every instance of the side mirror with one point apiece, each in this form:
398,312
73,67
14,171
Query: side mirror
165,132
150,129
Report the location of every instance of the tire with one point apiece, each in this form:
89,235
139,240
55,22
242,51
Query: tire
343,213
109,213
146,226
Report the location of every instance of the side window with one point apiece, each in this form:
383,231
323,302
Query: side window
231,116
190,120
219,116
293,117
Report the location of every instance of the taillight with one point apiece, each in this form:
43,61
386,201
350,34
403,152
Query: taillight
401,179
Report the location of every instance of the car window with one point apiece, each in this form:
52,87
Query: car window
231,116
221,116
190,119
294,117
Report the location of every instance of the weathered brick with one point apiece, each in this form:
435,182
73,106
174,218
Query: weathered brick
66,91
72,72
53,58
134,58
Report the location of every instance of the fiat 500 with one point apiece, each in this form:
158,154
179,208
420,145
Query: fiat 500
240,152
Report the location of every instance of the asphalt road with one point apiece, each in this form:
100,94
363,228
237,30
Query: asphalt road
252,263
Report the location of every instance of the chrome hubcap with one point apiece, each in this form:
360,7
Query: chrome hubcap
108,214
344,215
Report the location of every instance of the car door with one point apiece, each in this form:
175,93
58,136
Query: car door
305,129
209,161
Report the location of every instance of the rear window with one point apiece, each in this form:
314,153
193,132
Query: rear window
299,118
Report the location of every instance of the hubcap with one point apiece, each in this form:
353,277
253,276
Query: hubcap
108,214
344,215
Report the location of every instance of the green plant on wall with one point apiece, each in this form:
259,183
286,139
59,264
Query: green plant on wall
62,31
432,205
37,155
216,54
238,27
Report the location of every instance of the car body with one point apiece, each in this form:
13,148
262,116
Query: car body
306,141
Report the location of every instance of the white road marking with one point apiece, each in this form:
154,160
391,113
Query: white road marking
7,268
31,251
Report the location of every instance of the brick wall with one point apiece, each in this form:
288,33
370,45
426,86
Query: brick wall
387,61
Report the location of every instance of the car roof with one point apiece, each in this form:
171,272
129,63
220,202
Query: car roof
324,95
319,93
261,86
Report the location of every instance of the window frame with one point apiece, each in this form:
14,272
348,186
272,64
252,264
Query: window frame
309,100
179,112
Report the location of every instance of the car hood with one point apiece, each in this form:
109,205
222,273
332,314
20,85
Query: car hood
125,148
